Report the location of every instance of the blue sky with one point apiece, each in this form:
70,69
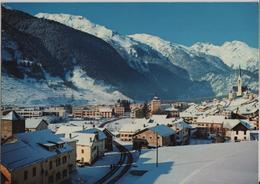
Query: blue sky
184,23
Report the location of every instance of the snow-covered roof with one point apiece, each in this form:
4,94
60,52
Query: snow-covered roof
231,123
33,122
156,98
67,140
139,124
133,127
162,130
191,112
18,154
211,119
236,103
172,108
30,148
101,134
159,118
12,115
84,139
181,124
67,130
249,108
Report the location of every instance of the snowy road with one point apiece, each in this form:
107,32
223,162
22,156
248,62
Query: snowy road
120,168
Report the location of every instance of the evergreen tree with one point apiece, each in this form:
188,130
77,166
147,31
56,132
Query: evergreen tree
145,110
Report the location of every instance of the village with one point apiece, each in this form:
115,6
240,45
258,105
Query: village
100,143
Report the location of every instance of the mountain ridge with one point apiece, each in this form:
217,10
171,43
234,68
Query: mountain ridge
114,65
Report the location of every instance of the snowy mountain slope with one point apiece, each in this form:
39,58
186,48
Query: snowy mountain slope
142,50
28,91
53,50
234,54
195,63
201,66
138,55
76,61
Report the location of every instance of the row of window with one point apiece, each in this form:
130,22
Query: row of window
34,172
58,176
126,135
58,162
238,131
149,137
205,124
126,139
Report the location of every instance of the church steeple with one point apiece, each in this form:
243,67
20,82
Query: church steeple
239,71
239,83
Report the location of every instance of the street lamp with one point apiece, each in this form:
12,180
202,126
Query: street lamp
156,149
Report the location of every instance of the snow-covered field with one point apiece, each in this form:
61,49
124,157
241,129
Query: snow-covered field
224,163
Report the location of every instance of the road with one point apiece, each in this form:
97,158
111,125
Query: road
119,169
123,165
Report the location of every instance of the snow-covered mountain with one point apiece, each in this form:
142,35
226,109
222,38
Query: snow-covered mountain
93,64
142,50
234,54
197,64
138,55
204,66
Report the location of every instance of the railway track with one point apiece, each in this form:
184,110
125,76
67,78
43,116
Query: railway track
124,164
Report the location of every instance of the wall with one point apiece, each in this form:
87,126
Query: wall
126,136
43,171
9,127
150,137
239,135
6,129
89,154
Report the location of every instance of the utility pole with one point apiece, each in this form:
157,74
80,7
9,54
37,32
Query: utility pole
156,149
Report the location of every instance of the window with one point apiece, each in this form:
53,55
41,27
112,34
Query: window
50,165
245,132
25,176
237,132
64,159
64,173
235,138
58,176
50,179
82,151
244,138
34,171
57,161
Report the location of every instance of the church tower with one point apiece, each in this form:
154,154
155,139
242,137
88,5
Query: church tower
239,84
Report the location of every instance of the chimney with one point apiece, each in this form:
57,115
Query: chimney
97,135
70,135
83,127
